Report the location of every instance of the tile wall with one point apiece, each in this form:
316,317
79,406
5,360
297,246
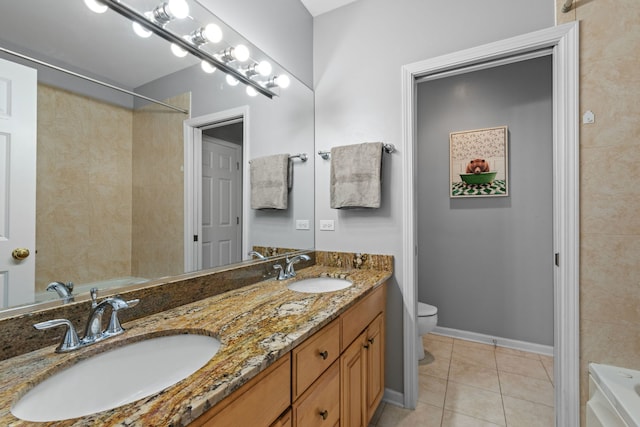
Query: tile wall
610,199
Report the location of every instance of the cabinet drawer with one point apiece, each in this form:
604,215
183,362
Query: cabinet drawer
320,404
358,317
314,356
258,403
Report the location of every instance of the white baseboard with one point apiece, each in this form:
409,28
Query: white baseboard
393,397
492,340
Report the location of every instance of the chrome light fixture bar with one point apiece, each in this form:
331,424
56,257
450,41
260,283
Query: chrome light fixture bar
135,16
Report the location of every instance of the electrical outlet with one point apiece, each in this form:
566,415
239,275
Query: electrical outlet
302,224
327,225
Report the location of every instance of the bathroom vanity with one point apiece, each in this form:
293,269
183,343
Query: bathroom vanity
335,377
286,358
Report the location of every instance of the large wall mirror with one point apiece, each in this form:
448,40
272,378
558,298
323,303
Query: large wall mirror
124,189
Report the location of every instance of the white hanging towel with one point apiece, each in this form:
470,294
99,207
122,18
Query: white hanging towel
356,176
270,182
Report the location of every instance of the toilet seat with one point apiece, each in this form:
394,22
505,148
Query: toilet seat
426,310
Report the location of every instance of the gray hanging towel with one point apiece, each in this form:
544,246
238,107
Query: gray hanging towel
270,181
356,176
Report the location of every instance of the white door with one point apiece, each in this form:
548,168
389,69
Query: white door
18,100
221,201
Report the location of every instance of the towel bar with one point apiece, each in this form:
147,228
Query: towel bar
301,156
387,148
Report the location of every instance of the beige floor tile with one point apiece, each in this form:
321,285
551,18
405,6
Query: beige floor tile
522,413
526,388
514,352
472,344
521,365
424,415
474,402
454,419
440,338
474,375
475,356
437,348
432,390
547,362
439,367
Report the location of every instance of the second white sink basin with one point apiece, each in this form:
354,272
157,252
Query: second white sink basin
116,377
318,285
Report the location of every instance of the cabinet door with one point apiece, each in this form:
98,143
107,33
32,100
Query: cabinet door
353,371
375,364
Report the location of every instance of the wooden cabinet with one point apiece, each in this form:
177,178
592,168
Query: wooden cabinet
335,378
258,403
314,356
374,346
362,363
320,404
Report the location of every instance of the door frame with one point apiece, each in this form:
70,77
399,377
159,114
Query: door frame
563,40
192,184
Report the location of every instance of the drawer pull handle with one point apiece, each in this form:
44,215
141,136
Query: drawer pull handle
371,340
324,414
324,354
366,346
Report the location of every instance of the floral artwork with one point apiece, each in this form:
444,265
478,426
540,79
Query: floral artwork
478,163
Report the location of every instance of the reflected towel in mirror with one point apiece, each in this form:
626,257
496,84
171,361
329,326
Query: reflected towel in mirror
271,179
356,172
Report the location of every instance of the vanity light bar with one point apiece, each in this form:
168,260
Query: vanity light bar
135,16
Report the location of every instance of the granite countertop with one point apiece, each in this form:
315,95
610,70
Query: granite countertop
256,325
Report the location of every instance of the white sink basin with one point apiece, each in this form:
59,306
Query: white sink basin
116,377
318,285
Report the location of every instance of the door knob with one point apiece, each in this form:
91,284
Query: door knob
20,253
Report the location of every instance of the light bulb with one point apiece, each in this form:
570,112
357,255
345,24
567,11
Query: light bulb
140,30
241,53
264,68
207,67
178,51
213,33
179,9
251,91
231,81
283,81
96,6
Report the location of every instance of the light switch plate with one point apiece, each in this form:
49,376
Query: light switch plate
327,225
302,224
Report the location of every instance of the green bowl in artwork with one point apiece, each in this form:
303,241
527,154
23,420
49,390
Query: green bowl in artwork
478,178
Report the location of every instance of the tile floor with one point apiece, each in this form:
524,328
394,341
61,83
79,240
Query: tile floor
463,383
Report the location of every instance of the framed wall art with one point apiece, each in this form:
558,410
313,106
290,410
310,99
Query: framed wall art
479,163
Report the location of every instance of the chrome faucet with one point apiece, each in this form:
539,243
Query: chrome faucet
93,331
256,254
289,272
64,291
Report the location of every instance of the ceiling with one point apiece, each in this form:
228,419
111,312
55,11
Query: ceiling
318,7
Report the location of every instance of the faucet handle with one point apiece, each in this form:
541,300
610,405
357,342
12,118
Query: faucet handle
94,297
118,304
70,341
281,271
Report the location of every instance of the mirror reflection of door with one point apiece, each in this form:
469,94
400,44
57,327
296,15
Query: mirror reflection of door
221,194
18,105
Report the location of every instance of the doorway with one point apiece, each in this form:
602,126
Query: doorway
215,226
563,40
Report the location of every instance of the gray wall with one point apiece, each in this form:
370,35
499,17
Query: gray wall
283,29
487,263
359,50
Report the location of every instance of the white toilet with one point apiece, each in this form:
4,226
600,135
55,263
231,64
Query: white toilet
427,320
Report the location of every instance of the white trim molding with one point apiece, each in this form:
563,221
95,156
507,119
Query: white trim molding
563,40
